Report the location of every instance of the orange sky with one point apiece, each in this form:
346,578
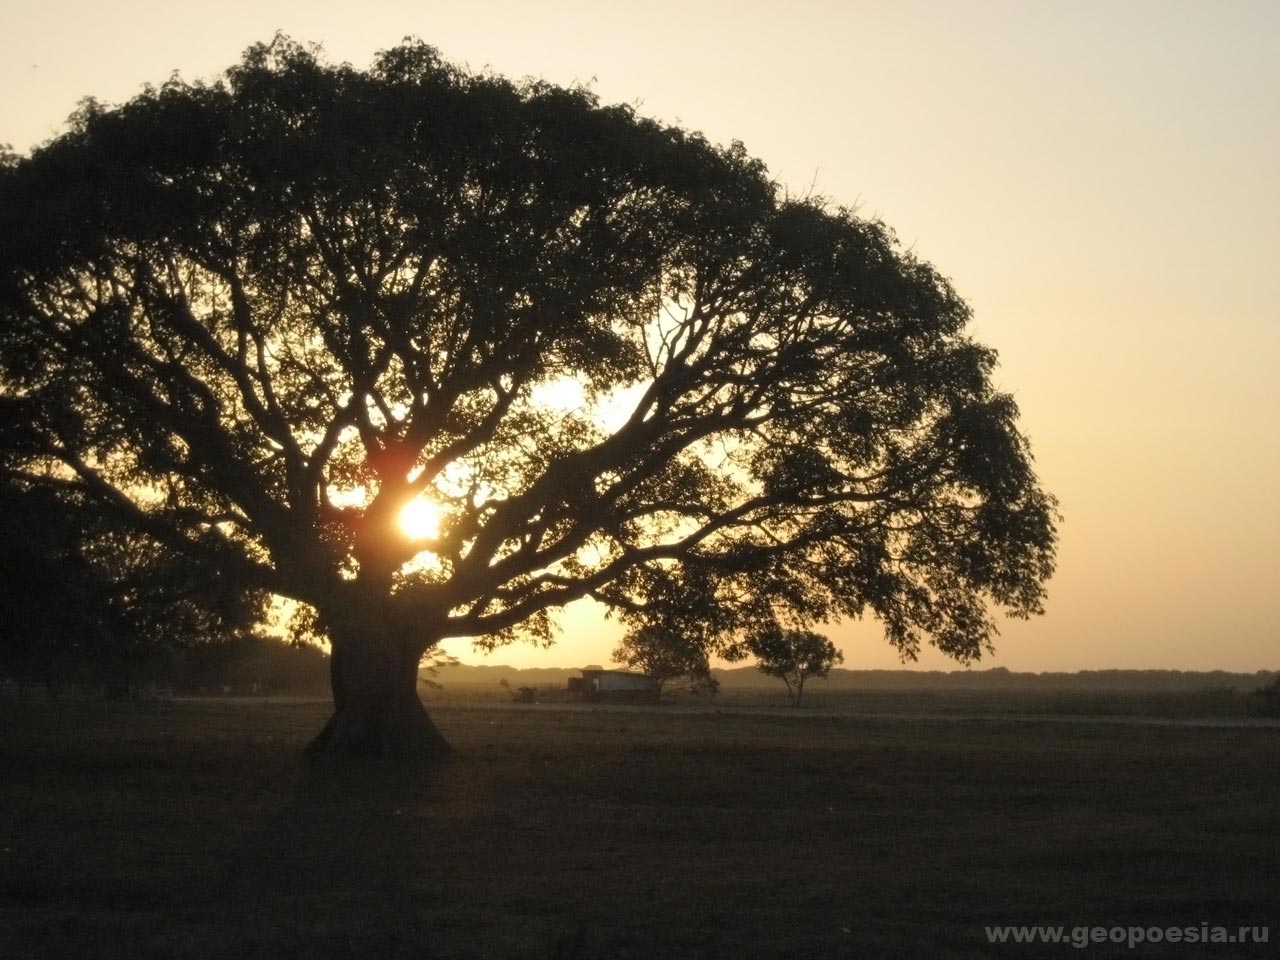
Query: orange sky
1097,178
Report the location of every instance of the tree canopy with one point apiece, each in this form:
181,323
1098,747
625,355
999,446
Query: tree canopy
251,320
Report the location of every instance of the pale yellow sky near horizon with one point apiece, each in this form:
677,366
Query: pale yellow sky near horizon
1098,179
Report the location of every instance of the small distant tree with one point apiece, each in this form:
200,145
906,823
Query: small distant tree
519,694
676,662
793,655
672,633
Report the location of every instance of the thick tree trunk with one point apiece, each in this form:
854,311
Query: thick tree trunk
376,711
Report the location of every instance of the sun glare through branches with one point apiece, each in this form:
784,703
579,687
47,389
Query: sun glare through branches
420,519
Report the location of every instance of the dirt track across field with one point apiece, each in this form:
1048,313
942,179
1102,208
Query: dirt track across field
801,714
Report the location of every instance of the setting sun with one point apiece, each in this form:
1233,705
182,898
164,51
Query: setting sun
420,519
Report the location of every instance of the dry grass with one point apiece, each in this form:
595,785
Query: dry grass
191,830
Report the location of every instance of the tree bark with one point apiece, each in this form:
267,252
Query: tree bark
376,711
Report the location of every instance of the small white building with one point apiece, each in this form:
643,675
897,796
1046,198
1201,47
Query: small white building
597,683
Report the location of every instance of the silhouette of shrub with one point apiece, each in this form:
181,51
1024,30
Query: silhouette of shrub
1268,699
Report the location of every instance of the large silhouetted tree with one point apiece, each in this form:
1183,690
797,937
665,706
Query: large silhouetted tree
251,320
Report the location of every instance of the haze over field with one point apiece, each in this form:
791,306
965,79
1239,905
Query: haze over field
1098,180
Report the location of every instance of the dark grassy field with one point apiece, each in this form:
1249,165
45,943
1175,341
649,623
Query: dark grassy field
191,829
